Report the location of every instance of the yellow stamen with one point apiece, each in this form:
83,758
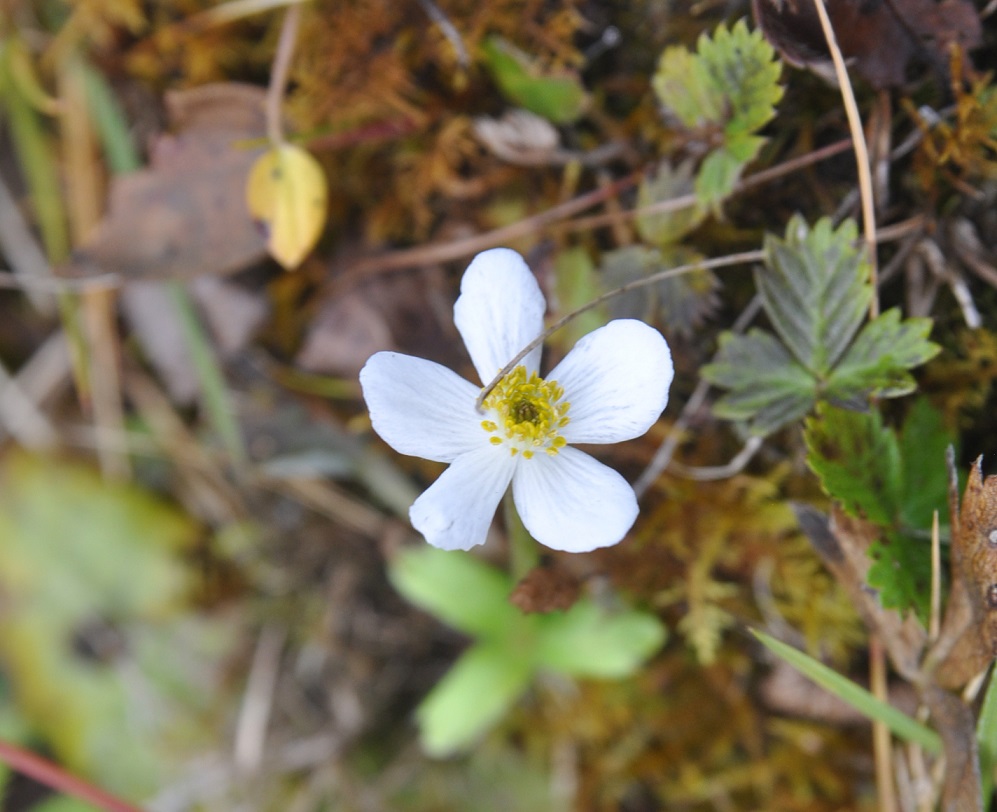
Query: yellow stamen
527,413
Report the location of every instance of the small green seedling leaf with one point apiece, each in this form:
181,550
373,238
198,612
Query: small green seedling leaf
287,194
559,98
473,695
511,647
586,642
857,460
460,590
858,697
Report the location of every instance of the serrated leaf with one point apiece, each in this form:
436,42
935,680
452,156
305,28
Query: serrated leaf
877,362
587,642
287,195
857,461
730,85
717,177
731,81
473,695
559,98
681,303
686,90
767,386
667,183
901,573
815,289
923,442
456,587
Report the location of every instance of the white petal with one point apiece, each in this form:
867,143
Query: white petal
421,408
616,379
457,510
500,310
573,502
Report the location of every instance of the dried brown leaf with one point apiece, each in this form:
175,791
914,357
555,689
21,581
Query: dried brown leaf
185,215
880,39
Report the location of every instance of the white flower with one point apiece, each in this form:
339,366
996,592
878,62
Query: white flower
611,387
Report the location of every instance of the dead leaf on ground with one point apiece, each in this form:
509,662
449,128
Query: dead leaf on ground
881,40
185,215
412,311
968,639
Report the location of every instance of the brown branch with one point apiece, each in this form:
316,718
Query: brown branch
53,776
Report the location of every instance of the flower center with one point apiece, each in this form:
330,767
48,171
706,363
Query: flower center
526,413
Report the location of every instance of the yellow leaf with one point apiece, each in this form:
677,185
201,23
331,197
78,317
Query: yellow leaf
286,193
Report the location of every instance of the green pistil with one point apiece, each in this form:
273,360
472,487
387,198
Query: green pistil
527,413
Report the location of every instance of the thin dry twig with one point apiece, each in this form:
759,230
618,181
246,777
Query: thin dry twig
279,73
719,262
861,150
254,715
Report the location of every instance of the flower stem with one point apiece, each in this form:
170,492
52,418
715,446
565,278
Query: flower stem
523,553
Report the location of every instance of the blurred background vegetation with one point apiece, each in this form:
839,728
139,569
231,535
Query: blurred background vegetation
196,522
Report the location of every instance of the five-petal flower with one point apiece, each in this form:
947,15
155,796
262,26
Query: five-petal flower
611,387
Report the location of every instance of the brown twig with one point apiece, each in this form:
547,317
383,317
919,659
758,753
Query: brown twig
56,778
861,151
279,73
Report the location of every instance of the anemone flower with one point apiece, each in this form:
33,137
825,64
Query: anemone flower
611,387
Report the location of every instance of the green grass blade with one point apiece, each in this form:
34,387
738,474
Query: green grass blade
856,696
217,400
986,738
112,126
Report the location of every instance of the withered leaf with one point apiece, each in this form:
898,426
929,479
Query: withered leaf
546,588
880,38
968,639
185,215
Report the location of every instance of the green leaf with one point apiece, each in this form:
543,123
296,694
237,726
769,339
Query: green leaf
577,285
857,460
680,302
732,81
901,573
729,87
986,737
558,98
877,362
815,289
859,698
79,550
456,587
768,387
587,642
667,183
473,696
923,442
717,177
686,90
